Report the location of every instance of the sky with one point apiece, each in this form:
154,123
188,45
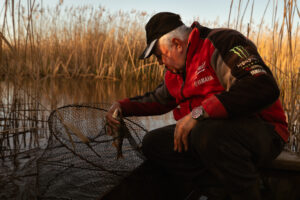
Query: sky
208,10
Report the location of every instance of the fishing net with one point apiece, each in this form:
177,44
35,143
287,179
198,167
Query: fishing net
80,161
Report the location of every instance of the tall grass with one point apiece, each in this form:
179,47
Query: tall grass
72,42
39,42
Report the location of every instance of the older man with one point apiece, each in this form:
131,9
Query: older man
225,101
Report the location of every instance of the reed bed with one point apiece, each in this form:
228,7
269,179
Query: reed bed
23,121
71,42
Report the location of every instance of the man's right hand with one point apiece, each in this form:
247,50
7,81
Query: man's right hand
113,123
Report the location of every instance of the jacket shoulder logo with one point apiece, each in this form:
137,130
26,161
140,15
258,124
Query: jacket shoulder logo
203,80
200,79
240,51
201,68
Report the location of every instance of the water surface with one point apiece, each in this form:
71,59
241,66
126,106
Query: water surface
32,102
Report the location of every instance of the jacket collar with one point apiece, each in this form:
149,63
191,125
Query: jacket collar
195,40
192,42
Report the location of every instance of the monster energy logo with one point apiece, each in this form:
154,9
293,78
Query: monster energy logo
240,51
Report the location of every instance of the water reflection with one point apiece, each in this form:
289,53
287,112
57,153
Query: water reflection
29,103
59,92
56,93
26,106
64,91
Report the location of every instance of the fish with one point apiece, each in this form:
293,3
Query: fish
119,134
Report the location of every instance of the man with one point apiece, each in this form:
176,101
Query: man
225,101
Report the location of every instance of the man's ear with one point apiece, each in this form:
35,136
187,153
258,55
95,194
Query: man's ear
177,43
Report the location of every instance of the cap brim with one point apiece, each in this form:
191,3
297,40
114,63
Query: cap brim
149,50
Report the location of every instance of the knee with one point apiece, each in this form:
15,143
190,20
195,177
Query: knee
146,143
158,141
204,145
207,139
150,144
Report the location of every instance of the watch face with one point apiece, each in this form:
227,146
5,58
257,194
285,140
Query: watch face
197,112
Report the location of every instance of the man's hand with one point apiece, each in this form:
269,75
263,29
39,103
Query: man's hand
182,130
112,123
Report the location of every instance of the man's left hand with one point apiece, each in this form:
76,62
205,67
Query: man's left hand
182,130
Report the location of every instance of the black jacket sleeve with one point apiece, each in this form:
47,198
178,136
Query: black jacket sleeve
250,86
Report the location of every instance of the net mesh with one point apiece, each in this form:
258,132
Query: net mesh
72,169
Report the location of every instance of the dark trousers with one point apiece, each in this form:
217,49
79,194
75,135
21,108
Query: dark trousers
222,153
223,159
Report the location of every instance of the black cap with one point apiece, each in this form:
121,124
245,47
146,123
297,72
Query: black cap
159,24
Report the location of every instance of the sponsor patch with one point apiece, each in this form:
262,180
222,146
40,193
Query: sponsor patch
201,68
257,71
240,51
248,63
203,80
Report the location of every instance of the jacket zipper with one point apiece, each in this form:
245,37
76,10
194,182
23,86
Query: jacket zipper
181,90
184,77
182,85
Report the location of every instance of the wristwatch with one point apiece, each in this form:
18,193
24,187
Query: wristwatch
198,113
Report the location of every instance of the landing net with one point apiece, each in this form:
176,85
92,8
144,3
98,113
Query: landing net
80,161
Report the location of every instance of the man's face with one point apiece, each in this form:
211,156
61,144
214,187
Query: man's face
173,58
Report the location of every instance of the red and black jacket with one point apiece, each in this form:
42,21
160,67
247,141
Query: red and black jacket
224,73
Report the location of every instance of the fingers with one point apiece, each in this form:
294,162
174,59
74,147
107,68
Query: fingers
111,131
185,141
185,125
175,139
181,142
178,139
182,130
112,123
109,115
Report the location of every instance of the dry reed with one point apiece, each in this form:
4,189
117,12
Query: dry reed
73,42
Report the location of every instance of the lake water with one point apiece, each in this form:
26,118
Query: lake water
26,106
50,94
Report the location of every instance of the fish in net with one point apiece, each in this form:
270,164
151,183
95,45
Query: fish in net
80,161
